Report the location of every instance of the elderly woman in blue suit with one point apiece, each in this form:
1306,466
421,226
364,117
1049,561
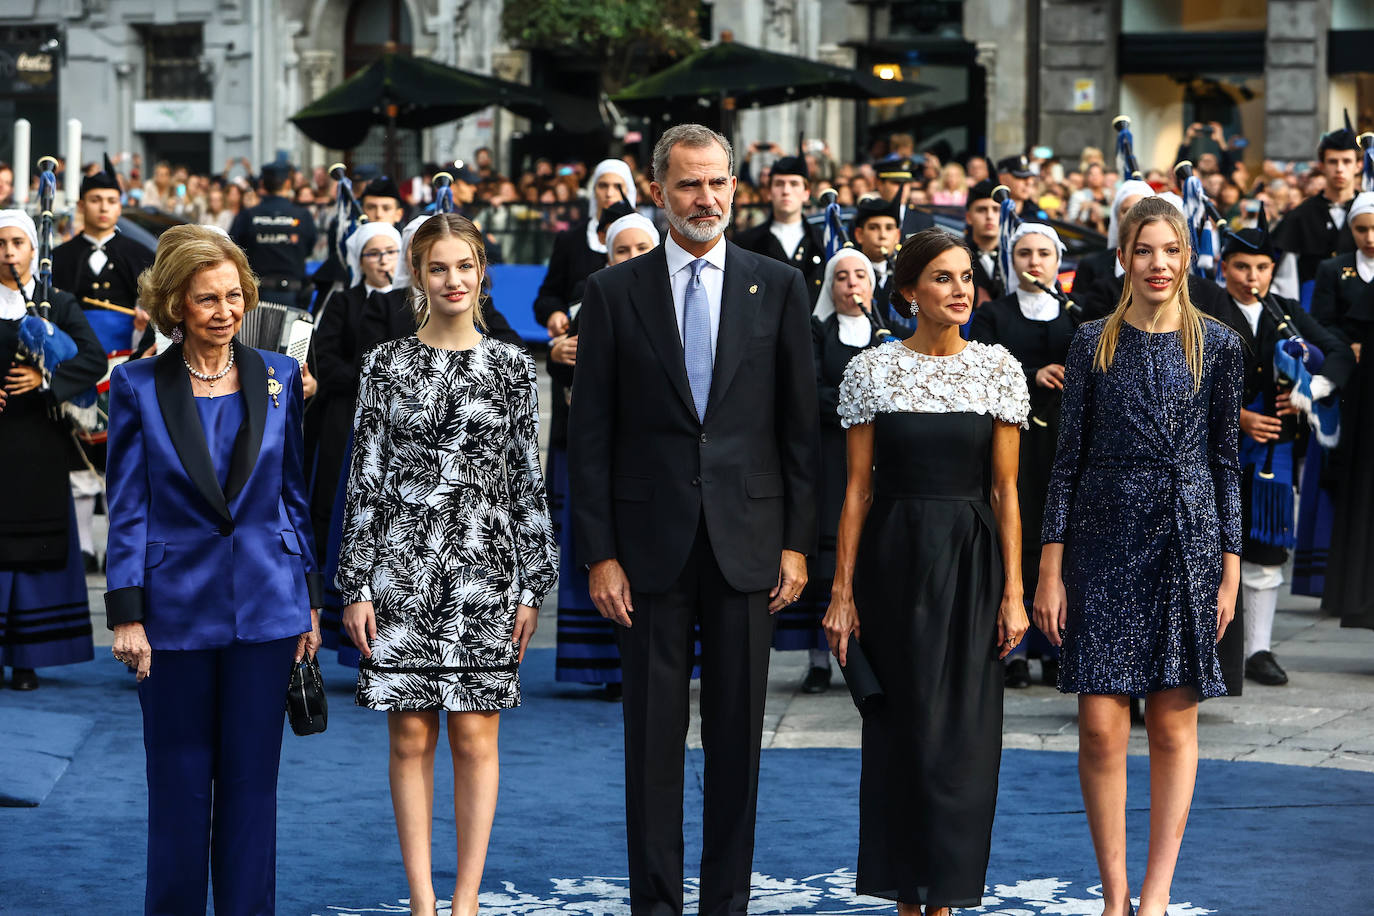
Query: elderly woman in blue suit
212,577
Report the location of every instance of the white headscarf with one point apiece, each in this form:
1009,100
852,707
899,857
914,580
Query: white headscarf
402,278
1132,188
614,167
1363,203
23,221
359,239
825,302
632,221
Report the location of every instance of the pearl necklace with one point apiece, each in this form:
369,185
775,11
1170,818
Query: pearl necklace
207,378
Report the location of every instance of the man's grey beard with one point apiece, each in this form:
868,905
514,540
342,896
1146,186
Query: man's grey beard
695,231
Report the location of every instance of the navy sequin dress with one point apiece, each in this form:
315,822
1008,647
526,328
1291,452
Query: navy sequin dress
1145,497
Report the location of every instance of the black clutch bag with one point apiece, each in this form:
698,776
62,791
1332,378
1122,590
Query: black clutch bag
859,678
306,705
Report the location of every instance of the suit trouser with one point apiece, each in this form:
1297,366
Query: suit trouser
657,658
212,730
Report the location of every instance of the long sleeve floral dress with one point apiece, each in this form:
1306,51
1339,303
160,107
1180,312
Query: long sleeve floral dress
447,526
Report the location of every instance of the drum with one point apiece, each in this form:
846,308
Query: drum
93,423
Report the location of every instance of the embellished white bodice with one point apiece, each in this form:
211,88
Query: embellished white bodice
892,378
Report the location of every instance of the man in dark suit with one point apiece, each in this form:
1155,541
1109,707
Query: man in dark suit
692,448
786,235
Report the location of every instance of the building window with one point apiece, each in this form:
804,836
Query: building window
1194,16
175,62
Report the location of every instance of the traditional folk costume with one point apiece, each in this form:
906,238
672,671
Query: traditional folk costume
100,270
837,338
1344,303
1036,329
1273,364
44,614
798,244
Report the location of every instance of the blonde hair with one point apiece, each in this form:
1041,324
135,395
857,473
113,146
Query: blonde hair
183,252
1155,210
446,226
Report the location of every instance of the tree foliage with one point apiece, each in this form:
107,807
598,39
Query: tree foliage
619,33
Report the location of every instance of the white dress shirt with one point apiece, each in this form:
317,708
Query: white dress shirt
1251,313
98,258
712,280
12,301
789,235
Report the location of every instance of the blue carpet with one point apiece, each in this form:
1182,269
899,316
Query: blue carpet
38,747
1261,836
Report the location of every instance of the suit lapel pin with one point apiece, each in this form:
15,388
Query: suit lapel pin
1348,273
273,386
753,289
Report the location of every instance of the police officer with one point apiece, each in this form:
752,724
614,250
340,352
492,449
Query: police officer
278,236
786,235
1015,172
894,174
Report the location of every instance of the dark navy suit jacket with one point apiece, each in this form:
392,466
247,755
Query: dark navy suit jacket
203,567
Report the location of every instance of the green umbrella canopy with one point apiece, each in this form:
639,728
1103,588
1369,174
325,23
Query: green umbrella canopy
753,76
424,92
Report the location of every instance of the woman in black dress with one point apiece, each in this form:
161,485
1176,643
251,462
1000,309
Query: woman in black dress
1036,329
928,582
839,331
1141,559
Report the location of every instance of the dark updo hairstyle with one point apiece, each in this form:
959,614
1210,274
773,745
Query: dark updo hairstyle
916,254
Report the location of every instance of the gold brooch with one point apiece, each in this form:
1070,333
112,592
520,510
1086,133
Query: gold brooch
754,288
1348,273
273,386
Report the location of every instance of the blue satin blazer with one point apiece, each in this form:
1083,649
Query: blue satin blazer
202,567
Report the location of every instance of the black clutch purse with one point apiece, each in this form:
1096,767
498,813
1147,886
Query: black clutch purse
863,684
306,705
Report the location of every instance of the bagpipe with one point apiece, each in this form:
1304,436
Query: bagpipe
1198,210
834,238
43,344
1366,141
1125,148
443,193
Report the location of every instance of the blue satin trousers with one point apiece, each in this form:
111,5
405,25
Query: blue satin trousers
212,730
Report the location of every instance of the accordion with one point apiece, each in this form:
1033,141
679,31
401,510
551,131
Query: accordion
282,328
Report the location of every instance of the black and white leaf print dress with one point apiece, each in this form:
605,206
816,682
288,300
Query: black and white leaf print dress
447,527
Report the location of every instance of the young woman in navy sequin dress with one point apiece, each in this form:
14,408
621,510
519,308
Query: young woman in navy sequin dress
1141,559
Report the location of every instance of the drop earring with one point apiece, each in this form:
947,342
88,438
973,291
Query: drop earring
914,307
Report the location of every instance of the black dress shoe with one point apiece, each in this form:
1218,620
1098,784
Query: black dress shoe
1264,668
90,562
817,680
24,679
1017,674
1049,672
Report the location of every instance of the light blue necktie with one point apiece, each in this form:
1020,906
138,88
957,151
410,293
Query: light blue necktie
696,338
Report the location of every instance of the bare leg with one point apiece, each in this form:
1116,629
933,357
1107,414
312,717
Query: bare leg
476,776
1171,720
908,909
414,736
1104,730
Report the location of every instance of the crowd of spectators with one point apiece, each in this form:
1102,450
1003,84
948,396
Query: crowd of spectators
548,196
